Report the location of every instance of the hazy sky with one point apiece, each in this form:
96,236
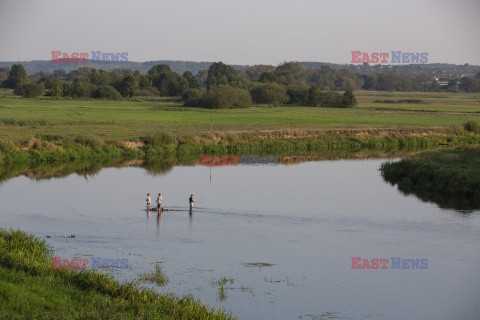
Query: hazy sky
241,32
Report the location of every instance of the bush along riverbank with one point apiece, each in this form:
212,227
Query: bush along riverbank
56,155
31,289
450,177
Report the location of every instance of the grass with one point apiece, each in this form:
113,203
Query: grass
157,276
221,286
31,289
127,120
449,177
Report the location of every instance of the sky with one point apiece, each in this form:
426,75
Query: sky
241,32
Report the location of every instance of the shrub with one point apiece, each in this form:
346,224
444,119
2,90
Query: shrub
29,90
81,89
297,95
472,126
269,93
226,97
348,100
193,97
107,93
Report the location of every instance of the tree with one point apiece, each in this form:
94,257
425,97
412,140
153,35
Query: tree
348,100
370,81
254,73
81,88
158,69
222,74
167,82
16,77
298,95
128,86
61,74
3,75
268,77
56,88
469,84
270,93
315,96
290,73
191,79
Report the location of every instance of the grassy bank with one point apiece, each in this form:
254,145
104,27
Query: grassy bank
47,155
448,177
31,289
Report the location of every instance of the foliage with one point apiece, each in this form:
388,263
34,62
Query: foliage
193,81
157,276
449,177
290,73
269,93
29,90
107,92
16,77
193,97
472,126
222,74
128,86
226,97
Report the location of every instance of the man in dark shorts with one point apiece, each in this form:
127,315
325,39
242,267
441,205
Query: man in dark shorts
191,201
159,203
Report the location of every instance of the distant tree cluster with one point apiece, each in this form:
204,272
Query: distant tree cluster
226,86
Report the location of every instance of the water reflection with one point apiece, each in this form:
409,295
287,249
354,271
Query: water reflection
88,169
159,220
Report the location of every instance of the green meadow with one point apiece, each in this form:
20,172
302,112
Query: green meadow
22,118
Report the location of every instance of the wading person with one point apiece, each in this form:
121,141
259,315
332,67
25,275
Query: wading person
159,203
149,201
191,201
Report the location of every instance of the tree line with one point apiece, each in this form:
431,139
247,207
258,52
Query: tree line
224,86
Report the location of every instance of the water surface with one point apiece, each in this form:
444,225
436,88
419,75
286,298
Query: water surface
306,219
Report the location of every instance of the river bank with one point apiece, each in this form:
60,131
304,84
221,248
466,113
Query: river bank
32,289
449,177
57,155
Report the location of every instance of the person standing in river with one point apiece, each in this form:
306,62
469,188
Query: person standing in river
149,201
159,203
191,201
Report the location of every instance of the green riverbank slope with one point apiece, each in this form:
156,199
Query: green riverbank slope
31,289
449,177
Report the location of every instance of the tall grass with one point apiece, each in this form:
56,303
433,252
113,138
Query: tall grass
54,153
449,177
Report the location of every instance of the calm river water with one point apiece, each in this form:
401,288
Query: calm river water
307,219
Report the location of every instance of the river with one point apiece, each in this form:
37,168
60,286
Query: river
307,220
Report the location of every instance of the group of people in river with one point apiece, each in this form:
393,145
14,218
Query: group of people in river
160,199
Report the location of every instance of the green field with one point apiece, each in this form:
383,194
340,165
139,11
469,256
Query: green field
22,118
